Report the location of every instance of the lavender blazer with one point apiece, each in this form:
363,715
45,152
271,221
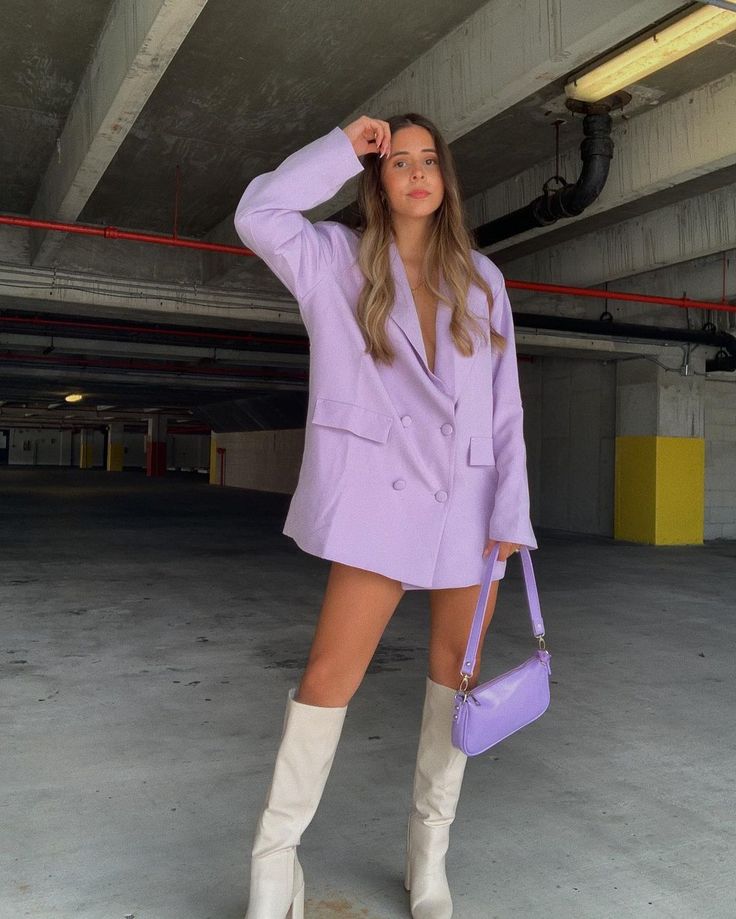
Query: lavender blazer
405,472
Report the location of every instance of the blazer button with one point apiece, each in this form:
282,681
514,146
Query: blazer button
399,484
440,496
406,420
447,429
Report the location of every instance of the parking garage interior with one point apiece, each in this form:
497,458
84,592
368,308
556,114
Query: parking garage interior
154,381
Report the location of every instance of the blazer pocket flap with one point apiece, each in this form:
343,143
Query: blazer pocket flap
481,450
361,421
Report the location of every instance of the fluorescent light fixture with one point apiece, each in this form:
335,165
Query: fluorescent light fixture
74,397
669,44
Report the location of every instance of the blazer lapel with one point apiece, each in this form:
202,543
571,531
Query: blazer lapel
450,366
404,312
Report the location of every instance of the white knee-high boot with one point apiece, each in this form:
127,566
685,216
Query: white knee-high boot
303,762
437,781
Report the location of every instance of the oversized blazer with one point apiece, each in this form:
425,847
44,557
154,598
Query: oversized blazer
405,471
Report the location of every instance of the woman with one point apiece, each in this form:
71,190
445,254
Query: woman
414,463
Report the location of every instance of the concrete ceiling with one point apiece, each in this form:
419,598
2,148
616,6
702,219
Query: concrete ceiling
102,100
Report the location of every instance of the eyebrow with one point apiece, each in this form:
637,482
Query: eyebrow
406,152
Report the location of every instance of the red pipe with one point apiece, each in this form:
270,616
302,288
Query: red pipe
114,233
161,240
621,295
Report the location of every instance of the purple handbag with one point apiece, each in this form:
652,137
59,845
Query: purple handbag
492,711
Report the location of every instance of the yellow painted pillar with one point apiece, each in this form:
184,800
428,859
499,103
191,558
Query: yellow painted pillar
659,490
659,495
115,448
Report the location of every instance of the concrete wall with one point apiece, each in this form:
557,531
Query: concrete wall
39,447
530,383
134,450
47,447
188,451
720,460
569,427
262,460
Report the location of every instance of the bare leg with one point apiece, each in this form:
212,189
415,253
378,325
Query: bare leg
440,766
451,614
357,606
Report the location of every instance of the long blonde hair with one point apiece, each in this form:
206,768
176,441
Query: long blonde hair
449,250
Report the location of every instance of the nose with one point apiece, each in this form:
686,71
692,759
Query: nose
417,171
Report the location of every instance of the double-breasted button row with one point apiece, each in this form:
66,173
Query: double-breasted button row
446,428
440,496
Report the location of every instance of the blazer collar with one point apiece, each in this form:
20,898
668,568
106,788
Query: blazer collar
451,368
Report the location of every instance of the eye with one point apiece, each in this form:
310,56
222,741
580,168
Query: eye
429,159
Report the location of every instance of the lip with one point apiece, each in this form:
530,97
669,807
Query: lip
420,193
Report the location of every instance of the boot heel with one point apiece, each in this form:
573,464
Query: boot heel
296,910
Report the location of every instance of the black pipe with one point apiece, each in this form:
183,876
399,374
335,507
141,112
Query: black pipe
606,328
596,151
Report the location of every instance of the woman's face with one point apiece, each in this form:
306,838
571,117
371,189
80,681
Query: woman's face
412,167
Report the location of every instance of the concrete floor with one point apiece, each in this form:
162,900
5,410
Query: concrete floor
151,629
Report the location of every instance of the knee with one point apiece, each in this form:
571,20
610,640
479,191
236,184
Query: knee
446,665
324,683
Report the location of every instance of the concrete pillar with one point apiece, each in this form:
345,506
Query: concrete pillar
214,470
115,447
660,451
86,449
156,445
65,448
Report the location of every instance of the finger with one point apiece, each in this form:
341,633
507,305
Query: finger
385,135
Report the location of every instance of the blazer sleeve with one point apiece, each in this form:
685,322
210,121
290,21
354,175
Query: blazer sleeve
268,218
510,520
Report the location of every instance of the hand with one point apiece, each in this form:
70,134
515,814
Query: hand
369,135
507,549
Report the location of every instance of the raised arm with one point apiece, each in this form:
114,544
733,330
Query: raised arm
268,218
510,517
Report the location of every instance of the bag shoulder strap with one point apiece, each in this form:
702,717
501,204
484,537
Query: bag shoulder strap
532,599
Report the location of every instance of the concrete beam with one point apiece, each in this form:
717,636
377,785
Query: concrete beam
100,347
542,342
694,228
681,141
675,251
501,54
124,298
217,383
136,45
